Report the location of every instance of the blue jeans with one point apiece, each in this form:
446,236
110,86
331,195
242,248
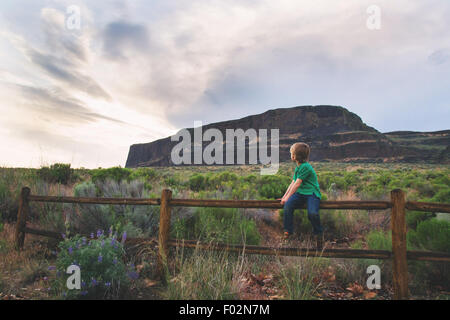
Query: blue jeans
312,205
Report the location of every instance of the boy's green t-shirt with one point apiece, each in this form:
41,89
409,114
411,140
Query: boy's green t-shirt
310,184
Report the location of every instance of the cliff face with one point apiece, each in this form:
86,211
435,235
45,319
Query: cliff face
432,147
334,134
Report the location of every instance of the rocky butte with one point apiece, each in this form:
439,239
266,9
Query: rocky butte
333,132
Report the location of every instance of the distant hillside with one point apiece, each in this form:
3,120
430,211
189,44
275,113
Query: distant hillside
423,146
333,132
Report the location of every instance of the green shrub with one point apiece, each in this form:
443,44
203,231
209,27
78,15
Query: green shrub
352,179
115,173
425,188
173,182
216,181
413,218
443,178
244,191
383,179
251,178
273,186
379,240
146,175
56,173
103,272
373,191
432,234
143,173
197,182
442,195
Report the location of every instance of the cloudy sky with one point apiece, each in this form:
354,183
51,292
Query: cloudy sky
136,71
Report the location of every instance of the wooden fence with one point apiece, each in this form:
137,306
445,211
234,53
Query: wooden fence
397,204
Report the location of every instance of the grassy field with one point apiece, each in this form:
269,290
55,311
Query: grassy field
115,271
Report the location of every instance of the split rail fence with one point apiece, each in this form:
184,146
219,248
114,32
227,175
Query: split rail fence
397,204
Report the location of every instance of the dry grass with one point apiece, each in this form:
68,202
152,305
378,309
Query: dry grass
22,273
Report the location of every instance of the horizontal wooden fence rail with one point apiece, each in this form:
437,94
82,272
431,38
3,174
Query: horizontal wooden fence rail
428,206
274,204
398,206
117,201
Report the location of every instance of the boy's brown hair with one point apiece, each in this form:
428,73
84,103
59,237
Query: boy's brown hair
300,151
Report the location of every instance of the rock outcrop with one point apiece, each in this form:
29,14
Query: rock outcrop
333,132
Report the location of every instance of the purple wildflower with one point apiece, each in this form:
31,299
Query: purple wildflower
115,261
133,275
124,237
45,278
99,233
63,235
83,293
94,282
92,235
103,243
100,258
83,283
70,250
107,284
51,268
84,241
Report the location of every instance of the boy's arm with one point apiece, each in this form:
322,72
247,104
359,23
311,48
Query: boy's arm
287,190
292,189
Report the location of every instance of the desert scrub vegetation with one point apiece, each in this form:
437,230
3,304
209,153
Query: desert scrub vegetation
217,224
137,221
56,173
338,181
429,235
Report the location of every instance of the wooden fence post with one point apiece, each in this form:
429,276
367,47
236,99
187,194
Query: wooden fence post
22,216
398,226
164,233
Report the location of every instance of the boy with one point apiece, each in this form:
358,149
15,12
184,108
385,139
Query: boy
304,188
